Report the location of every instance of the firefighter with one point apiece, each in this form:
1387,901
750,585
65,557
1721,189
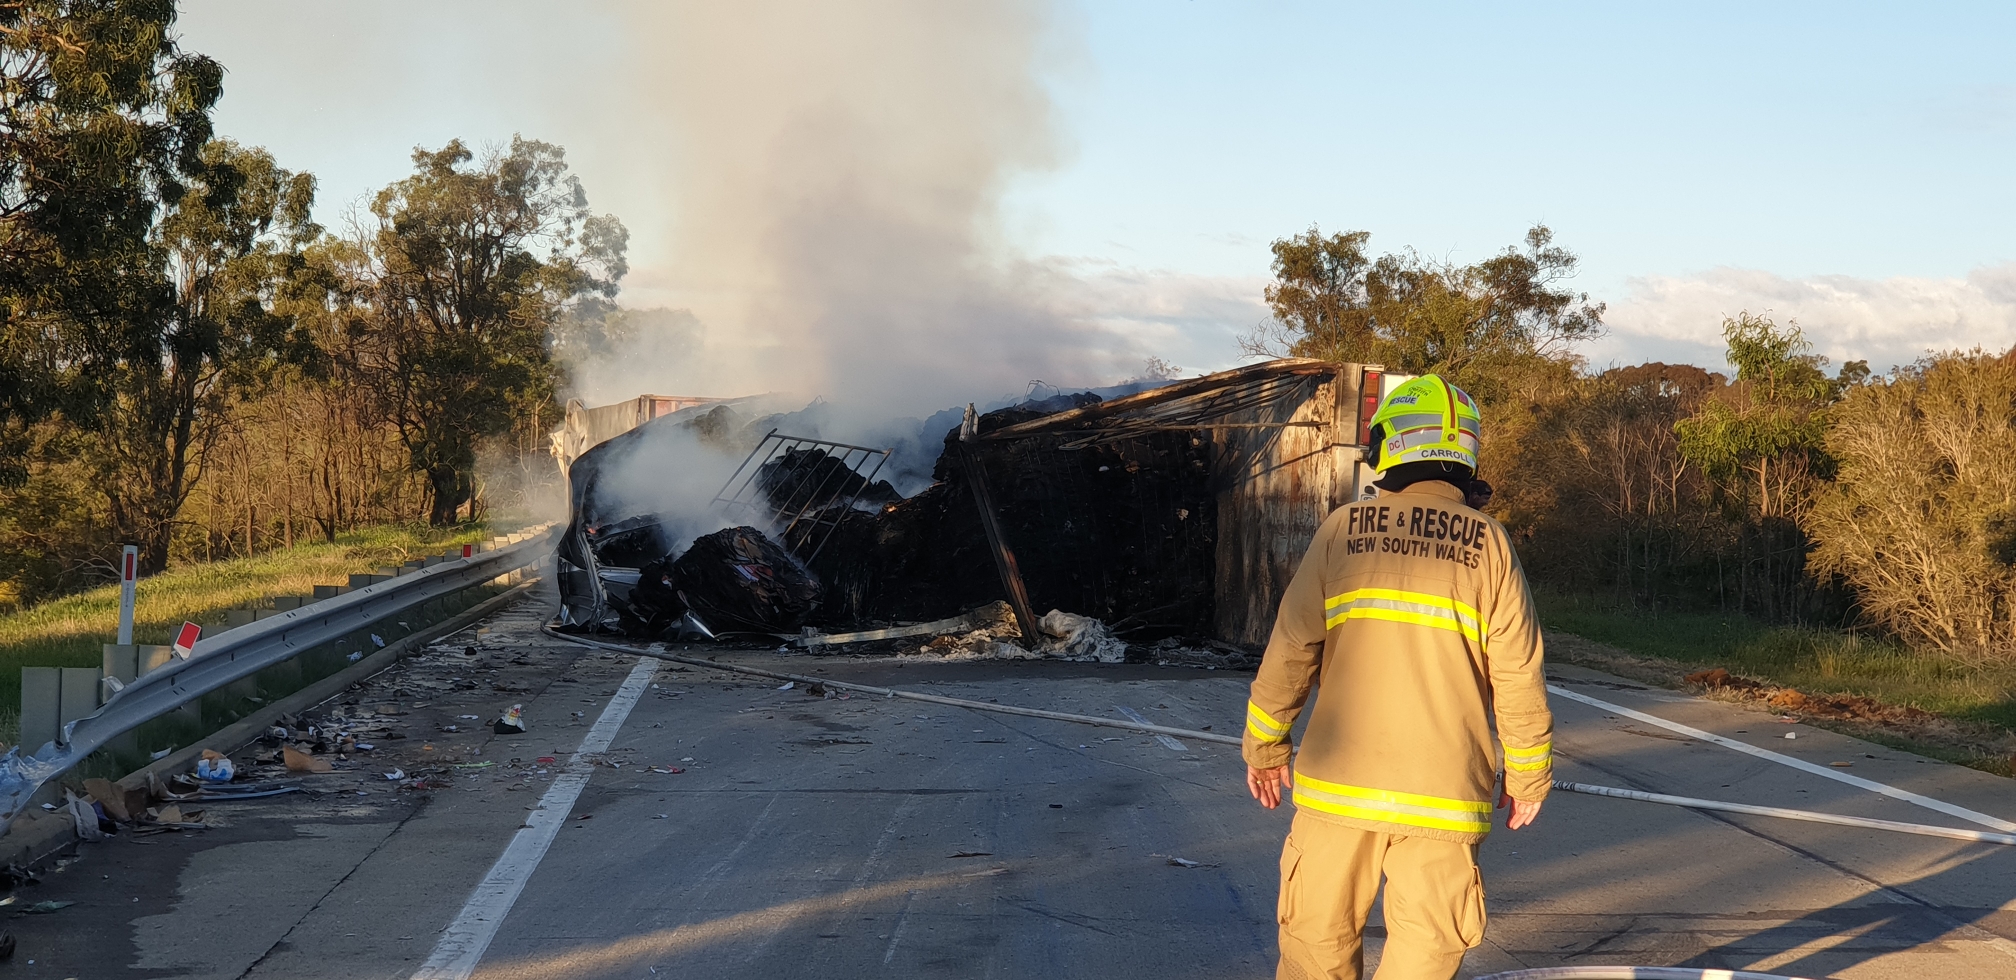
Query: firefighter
1410,611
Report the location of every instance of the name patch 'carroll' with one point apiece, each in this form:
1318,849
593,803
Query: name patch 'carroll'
1425,532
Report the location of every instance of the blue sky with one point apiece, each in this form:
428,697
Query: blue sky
1844,165
1805,139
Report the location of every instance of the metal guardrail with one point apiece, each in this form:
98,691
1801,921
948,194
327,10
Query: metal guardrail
220,660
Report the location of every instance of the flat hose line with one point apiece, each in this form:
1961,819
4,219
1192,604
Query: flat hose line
1630,973
1809,816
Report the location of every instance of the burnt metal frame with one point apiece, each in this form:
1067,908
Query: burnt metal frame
817,499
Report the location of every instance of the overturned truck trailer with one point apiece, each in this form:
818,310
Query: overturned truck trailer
1176,511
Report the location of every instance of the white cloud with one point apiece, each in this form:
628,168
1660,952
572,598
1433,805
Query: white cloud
1191,321
1884,321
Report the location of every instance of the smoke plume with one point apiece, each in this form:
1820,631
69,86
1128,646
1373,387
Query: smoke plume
835,172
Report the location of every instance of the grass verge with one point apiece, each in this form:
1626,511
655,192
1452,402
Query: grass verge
1973,706
70,632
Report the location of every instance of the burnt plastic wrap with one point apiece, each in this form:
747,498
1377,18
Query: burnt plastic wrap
738,579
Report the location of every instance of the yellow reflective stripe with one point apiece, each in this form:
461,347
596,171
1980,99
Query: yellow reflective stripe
1399,606
1529,759
1390,806
1263,726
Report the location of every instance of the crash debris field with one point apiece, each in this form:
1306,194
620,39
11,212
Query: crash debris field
693,747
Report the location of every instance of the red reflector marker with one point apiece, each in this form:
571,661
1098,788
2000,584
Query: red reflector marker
185,639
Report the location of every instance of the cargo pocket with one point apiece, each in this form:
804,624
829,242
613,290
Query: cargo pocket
1470,915
1291,858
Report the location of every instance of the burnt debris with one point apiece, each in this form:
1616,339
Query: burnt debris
1110,509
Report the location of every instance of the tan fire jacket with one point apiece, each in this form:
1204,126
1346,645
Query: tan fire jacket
1412,614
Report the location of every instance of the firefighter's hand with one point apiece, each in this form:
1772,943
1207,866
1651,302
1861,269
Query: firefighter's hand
1266,784
1523,811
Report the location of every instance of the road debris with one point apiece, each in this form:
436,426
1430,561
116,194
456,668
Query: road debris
297,760
215,767
512,722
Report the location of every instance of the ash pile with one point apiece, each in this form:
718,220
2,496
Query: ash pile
1102,508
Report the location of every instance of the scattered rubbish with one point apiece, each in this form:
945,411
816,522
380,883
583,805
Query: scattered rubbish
451,728
85,817
299,761
378,641
470,717
7,946
119,803
670,770
215,767
687,759
44,908
990,872
1186,863
395,775
971,854
355,655
1059,806
1791,734
659,816
158,756
1841,765
1078,637
171,816
984,616
474,765
365,747
547,760
9,900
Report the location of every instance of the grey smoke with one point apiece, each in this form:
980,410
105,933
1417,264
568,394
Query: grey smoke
836,173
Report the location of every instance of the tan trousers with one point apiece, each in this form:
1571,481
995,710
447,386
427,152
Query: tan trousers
1329,876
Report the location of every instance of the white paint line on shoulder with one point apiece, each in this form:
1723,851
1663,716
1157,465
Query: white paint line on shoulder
1786,760
463,943
1168,742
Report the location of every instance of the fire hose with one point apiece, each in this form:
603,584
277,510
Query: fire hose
1630,973
1809,816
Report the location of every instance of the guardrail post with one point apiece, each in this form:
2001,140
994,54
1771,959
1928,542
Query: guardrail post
122,663
80,694
41,700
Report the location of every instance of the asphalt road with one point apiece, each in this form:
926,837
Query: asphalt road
860,836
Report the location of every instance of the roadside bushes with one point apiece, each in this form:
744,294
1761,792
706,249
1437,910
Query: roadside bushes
1921,517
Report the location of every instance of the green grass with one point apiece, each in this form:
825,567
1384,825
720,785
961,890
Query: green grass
69,632
1980,696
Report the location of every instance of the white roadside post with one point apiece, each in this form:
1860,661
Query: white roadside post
129,573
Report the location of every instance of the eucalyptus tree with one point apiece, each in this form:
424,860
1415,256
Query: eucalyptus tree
467,267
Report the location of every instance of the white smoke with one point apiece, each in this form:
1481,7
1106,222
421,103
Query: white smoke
1884,321
836,172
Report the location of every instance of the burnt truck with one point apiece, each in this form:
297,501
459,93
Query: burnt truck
1178,510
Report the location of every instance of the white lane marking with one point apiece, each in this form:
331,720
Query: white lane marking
1132,715
1799,764
464,941
896,934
